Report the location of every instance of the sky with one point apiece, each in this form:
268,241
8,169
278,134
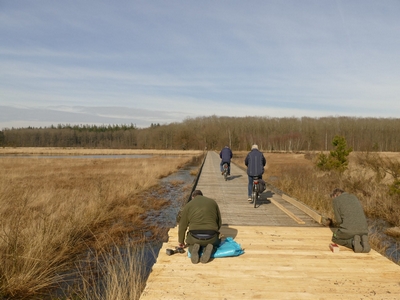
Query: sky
96,62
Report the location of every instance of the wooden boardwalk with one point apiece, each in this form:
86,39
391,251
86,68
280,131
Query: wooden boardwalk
284,258
231,196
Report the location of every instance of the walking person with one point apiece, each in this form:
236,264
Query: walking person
200,221
226,156
255,162
349,215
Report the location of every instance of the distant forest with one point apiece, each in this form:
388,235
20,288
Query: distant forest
271,134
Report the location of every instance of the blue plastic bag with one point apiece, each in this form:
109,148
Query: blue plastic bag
227,248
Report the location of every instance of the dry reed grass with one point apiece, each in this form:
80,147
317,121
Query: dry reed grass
83,151
53,209
393,231
122,271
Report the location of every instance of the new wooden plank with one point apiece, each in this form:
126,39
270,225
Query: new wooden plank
313,214
289,213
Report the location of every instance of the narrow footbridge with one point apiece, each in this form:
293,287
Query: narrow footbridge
287,253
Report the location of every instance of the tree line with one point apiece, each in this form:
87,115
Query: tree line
213,132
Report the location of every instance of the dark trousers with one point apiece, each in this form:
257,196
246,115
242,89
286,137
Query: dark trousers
345,238
190,241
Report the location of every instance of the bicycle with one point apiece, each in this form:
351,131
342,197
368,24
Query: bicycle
255,190
225,168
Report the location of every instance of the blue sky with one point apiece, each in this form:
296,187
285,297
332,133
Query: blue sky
142,62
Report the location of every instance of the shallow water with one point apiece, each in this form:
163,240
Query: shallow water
177,194
392,244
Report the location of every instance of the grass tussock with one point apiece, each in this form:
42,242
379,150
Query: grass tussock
54,209
122,272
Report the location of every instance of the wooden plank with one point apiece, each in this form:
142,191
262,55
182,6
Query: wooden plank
290,214
313,214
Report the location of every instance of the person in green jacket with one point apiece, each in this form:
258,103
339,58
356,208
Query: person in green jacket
200,222
353,228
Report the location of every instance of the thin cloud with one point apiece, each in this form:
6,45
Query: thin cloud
170,60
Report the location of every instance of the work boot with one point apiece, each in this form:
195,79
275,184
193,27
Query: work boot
357,247
194,254
205,257
365,244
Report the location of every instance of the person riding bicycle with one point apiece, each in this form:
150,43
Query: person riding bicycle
225,155
255,162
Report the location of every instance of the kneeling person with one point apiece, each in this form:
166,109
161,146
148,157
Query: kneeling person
202,218
353,228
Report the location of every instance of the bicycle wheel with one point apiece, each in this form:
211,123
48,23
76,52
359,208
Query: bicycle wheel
226,172
255,195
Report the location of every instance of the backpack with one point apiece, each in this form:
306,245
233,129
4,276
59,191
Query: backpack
263,185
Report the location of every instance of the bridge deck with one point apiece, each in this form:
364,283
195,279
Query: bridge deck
283,259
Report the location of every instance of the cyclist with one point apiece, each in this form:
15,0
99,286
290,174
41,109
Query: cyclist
255,163
226,155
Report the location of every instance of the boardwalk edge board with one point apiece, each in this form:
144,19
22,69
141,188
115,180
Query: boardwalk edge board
313,214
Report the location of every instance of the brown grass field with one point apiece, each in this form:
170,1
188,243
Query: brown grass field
83,151
53,210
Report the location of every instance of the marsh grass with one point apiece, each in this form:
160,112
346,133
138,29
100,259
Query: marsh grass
393,231
87,151
53,210
118,272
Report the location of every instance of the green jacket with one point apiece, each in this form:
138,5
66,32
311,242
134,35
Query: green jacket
349,214
200,213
